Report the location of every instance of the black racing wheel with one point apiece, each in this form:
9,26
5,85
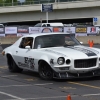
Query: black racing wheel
12,65
45,71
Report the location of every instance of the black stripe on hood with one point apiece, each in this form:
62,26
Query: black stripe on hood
86,51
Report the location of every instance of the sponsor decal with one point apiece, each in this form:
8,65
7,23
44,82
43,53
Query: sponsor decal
34,29
21,34
81,30
22,64
28,62
80,34
58,29
86,51
46,30
22,30
2,35
11,35
93,29
91,34
10,30
69,30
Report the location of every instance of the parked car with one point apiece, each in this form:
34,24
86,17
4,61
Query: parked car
1,26
53,55
49,25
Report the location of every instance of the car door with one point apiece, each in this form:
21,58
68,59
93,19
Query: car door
23,55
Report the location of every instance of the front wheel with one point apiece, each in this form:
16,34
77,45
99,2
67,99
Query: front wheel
12,65
45,71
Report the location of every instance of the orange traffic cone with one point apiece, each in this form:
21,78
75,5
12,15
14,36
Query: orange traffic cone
91,43
68,97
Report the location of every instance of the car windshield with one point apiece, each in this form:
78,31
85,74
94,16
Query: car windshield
55,40
38,25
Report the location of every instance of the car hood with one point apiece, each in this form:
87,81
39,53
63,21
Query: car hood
73,51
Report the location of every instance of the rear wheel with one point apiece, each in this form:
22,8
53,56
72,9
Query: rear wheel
12,65
45,71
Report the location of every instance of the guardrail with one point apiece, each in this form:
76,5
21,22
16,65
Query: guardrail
31,2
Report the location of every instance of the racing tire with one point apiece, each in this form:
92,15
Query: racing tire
45,72
12,65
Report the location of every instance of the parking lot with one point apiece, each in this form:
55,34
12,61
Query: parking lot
28,86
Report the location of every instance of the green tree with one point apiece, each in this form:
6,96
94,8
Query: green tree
1,2
30,1
10,1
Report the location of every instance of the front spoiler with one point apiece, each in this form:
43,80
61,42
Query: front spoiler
67,75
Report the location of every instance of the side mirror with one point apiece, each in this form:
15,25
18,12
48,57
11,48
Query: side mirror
27,47
81,42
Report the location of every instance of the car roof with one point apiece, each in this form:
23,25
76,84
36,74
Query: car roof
40,34
51,24
54,24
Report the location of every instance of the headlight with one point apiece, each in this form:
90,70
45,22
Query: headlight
61,60
68,61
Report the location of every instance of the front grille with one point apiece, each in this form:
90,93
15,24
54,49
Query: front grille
85,63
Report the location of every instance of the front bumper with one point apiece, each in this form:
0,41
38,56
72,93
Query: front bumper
67,75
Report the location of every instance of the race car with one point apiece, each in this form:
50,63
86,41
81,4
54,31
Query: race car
53,55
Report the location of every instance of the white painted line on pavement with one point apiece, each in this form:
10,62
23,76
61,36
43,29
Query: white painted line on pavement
44,84
41,98
23,85
14,86
15,97
91,94
9,75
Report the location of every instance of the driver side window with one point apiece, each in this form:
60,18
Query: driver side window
26,41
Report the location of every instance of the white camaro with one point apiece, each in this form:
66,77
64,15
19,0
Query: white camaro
53,55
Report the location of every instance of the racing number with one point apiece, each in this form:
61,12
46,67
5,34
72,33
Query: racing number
29,62
26,60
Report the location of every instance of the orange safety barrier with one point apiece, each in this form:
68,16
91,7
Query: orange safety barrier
68,97
91,43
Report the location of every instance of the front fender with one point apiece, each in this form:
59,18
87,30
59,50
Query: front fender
46,59
7,51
